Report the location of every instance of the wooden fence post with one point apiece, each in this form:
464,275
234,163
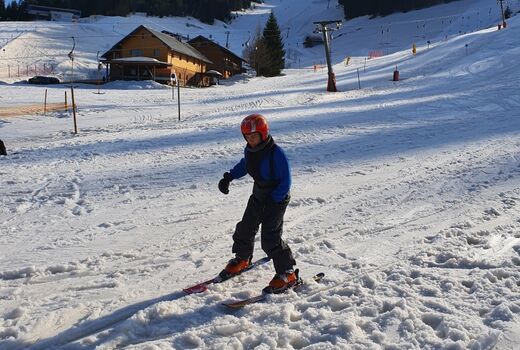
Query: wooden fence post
74,110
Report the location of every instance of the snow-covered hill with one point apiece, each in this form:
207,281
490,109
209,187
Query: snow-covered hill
32,48
406,194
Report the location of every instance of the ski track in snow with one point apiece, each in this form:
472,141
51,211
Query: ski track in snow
406,195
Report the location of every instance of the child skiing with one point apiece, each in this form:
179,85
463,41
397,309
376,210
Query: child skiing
267,164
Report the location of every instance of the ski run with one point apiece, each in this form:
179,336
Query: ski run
406,194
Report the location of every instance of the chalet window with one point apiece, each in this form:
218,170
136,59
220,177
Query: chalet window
156,52
136,52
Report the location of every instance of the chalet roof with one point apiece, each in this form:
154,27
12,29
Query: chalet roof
169,41
201,38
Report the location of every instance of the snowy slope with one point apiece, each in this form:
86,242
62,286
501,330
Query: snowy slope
26,47
405,194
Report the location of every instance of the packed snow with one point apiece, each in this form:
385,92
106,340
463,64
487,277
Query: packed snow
406,194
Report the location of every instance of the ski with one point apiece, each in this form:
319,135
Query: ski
261,297
201,287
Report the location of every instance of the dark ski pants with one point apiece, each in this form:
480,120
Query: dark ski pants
270,215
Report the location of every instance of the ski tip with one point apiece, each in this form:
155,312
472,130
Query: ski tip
318,277
195,289
234,306
241,303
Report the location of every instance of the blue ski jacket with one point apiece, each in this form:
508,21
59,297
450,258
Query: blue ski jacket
281,172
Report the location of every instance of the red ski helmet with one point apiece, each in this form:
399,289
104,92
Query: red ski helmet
255,123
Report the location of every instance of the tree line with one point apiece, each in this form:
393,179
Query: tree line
204,10
356,8
9,12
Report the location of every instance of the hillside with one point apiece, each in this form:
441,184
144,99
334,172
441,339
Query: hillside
30,48
406,194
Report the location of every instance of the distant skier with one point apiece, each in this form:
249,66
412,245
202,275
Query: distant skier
267,164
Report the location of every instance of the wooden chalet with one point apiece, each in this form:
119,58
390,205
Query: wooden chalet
53,13
146,54
224,61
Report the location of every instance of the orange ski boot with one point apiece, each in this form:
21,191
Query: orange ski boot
282,282
235,266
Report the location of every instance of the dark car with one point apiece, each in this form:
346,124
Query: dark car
43,80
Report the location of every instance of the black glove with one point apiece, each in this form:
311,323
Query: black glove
223,184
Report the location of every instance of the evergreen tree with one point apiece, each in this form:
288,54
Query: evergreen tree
272,39
508,12
11,11
2,9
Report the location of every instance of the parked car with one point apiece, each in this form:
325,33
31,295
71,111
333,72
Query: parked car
43,80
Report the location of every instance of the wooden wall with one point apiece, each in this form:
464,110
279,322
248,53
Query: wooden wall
184,66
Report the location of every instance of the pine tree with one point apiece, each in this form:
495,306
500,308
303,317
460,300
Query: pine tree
11,11
508,12
272,39
2,9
